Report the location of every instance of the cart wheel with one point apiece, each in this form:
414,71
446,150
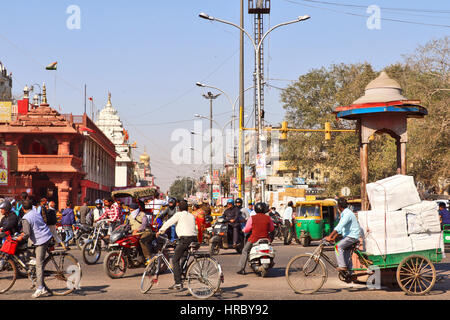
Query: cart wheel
416,275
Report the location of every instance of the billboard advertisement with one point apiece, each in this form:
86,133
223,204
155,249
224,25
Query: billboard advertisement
4,170
5,111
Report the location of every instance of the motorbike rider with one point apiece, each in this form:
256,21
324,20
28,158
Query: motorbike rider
111,211
168,213
260,225
10,221
98,211
245,213
232,215
187,231
138,221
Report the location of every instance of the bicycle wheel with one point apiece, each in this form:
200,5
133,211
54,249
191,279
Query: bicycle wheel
203,277
149,277
8,275
91,255
62,273
304,275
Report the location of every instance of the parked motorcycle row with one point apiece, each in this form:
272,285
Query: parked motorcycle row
123,251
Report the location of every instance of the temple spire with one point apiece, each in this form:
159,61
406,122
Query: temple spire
44,95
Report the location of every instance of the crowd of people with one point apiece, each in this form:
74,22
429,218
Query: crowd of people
36,222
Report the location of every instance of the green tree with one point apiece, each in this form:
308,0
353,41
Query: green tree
182,187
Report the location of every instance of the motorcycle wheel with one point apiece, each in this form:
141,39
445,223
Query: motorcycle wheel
214,249
114,268
81,239
91,257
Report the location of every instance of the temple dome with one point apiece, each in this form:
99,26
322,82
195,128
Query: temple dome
381,89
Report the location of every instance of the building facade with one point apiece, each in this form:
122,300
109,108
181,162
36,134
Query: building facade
51,154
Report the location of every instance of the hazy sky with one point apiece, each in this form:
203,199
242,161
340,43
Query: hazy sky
150,54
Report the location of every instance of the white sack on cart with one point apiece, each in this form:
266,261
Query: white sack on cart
392,193
384,234
428,241
423,218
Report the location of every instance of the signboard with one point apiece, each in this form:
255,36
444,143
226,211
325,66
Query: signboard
298,181
281,181
345,191
215,177
5,111
261,172
4,161
216,192
233,185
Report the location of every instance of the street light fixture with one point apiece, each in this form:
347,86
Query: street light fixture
257,48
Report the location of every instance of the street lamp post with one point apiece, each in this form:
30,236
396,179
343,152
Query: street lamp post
233,107
257,48
211,97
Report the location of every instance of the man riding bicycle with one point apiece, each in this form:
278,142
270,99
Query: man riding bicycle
349,228
186,230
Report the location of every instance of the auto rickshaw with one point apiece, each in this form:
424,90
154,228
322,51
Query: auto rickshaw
314,220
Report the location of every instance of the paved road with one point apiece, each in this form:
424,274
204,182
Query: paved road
95,285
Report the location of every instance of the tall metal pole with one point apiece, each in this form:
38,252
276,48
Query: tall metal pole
210,148
211,97
241,172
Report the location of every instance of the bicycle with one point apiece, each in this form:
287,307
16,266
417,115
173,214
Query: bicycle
307,273
202,273
62,272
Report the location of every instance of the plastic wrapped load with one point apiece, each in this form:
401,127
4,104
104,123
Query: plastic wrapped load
392,193
384,233
428,241
423,218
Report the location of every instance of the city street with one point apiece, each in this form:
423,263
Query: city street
95,285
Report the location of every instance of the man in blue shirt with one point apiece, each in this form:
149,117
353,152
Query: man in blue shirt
349,228
444,213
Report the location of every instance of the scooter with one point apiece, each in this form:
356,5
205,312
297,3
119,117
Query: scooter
261,257
223,238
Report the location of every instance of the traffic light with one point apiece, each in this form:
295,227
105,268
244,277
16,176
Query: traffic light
284,130
327,131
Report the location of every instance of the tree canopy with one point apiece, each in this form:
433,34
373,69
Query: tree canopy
309,102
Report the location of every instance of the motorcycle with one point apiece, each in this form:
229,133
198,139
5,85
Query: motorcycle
261,257
92,248
125,252
222,238
82,233
278,231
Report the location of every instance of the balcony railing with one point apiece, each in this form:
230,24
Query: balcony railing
49,163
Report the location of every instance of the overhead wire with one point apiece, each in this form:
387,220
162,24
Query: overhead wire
365,16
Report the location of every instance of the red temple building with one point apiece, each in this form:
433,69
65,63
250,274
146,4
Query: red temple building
60,157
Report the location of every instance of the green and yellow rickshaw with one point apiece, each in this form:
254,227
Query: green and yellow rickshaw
315,219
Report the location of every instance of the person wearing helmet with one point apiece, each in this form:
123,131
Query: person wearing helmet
98,211
245,214
231,215
251,209
260,225
10,221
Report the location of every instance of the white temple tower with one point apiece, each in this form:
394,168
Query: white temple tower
110,124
